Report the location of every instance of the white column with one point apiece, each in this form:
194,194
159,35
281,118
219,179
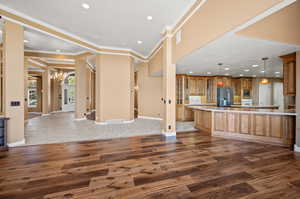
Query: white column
169,89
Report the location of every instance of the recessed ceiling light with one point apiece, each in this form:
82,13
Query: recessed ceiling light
246,70
26,41
58,51
241,75
149,18
85,6
255,65
209,73
191,72
262,71
227,74
139,42
227,68
277,72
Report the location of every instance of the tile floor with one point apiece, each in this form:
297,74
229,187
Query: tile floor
61,127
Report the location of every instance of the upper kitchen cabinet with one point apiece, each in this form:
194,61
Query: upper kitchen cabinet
246,83
224,82
197,86
236,85
289,74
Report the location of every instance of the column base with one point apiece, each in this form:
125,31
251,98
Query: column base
14,144
80,119
169,134
296,148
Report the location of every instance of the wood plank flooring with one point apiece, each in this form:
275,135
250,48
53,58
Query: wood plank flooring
193,165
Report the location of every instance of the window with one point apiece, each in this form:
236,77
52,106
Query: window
32,97
32,83
69,89
32,93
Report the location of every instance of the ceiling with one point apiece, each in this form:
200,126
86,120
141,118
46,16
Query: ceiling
239,54
112,23
38,41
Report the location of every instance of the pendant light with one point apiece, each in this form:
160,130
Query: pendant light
220,83
264,79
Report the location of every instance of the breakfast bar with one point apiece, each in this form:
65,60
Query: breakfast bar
270,126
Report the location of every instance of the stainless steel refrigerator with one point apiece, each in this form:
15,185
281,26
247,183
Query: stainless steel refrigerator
224,97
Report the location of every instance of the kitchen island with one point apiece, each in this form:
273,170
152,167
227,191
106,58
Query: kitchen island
270,126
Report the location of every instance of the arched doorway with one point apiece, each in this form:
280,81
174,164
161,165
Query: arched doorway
68,93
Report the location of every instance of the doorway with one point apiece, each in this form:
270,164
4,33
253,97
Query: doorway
68,93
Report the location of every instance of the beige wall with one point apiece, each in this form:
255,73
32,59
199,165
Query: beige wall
282,26
214,19
298,99
81,89
46,92
114,88
13,57
149,93
156,64
56,95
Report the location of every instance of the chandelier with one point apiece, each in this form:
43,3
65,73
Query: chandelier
60,76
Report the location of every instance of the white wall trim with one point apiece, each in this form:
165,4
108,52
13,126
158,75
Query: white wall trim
44,115
80,119
128,121
297,148
22,15
169,134
149,118
101,123
14,144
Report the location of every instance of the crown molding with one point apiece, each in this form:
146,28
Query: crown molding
29,22
187,14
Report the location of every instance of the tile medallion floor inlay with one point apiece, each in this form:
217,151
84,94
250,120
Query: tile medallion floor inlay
61,127
193,165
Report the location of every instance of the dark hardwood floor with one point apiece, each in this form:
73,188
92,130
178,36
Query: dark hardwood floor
192,166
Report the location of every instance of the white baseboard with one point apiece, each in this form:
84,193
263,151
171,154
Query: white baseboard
101,123
128,121
80,119
115,122
296,148
44,115
149,118
14,144
169,134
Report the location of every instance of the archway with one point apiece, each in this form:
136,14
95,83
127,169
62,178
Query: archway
68,92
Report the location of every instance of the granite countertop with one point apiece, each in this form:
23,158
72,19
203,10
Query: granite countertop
245,110
254,106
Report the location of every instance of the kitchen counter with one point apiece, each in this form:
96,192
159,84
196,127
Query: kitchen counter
245,110
271,126
256,106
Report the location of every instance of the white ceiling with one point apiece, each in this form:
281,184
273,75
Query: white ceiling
238,53
38,41
113,23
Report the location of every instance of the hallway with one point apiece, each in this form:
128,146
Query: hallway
62,127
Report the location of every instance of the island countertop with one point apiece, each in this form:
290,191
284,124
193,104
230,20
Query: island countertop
245,110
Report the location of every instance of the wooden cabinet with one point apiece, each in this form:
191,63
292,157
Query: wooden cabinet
246,83
197,86
289,74
224,82
236,85
211,90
